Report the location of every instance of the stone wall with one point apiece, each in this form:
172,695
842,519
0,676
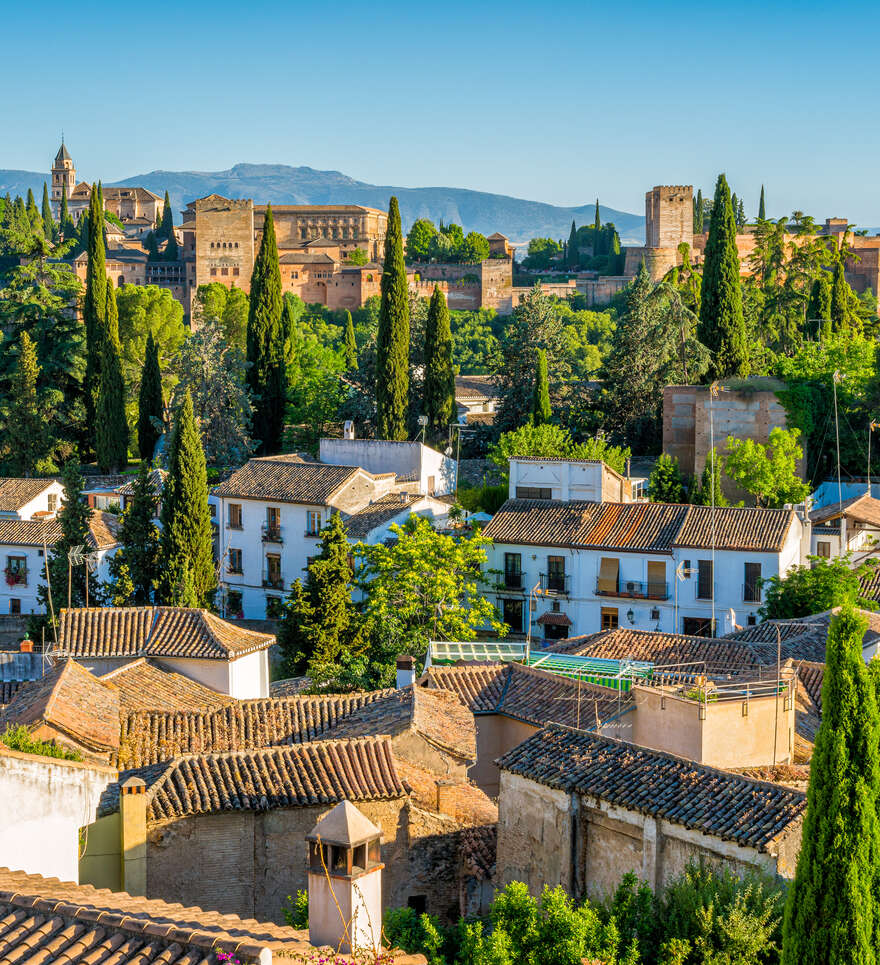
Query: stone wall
224,241
47,801
669,216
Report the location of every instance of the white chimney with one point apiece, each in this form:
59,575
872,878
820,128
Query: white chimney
348,429
406,671
345,881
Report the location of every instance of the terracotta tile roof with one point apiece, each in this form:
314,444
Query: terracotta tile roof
438,715
869,586
288,481
289,686
480,418
528,694
45,920
149,737
72,700
714,802
103,528
302,775
811,676
157,482
475,388
378,512
703,654
16,493
7,689
160,631
802,639
864,509
147,685
645,527
478,849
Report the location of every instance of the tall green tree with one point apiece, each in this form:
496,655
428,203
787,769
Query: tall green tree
762,211
35,219
709,492
392,339
597,224
188,577
840,300
832,915
698,213
151,404
111,425
439,375
267,374
665,484
166,225
722,327
541,399
28,445
138,551
819,306
49,229
94,310
768,472
351,351
66,226
573,257
320,630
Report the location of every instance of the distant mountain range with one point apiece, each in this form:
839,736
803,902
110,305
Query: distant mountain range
282,184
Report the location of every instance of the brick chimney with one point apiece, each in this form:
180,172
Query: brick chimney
26,646
133,835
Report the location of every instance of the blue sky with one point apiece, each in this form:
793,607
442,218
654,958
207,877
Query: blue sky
556,102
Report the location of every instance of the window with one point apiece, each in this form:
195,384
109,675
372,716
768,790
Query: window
704,579
513,615
52,502
609,618
431,485
657,580
513,570
273,571
751,620
273,607
213,271
554,631
224,271
16,571
533,492
15,606
752,582
823,548
235,271
313,522
273,517
234,604
418,903
234,516
234,561
556,574
696,626
609,574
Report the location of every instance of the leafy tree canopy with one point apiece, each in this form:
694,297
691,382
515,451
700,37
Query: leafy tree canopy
768,472
551,440
815,587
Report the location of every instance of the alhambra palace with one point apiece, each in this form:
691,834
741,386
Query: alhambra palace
219,237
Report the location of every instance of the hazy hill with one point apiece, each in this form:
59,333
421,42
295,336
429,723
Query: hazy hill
282,184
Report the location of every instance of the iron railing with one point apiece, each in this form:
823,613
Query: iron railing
555,583
634,589
271,533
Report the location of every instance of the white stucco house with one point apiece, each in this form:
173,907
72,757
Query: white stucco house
429,472
565,479
373,523
269,517
852,526
195,643
29,498
575,567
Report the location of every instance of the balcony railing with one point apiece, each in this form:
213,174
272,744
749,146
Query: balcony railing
273,581
272,533
512,580
16,577
751,593
555,583
633,589
231,524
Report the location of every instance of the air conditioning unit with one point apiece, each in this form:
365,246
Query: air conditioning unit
655,613
632,587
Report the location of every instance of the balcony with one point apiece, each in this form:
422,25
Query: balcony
751,593
512,580
632,589
272,533
555,583
273,581
16,577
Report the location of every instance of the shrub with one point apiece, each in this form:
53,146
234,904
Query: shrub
296,911
19,739
404,928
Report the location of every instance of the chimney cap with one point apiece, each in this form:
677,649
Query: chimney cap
26,645
134,785
405,662
344,826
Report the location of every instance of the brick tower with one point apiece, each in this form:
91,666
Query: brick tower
63,176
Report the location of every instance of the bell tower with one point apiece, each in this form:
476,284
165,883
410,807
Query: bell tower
63,177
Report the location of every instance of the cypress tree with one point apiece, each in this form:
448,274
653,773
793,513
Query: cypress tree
722,327
94,309
699,227
46,214
186,550
734,203
762,212
139,542
266,376
597,221
151,405
615,261
171,252
665,484
819,307
831,913
439,374
166,225
152,247
111,425
572,247
351,352
541,397
66,226
26,431
840,292
710,483
740,215
392,340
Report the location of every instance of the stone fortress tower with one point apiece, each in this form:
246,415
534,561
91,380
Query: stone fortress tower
669,221
63,178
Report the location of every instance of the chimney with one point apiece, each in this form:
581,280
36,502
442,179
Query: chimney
446,797
133,835
348,429
26,646
406,671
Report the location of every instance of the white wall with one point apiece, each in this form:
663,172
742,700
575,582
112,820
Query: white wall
46,802
36,577
249,676
566,480
40,504
405,459
434,510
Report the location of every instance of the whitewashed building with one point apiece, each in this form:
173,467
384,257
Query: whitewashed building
413,463
564,479
578,566
373,523
192,642
29,498
269,517
852,526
